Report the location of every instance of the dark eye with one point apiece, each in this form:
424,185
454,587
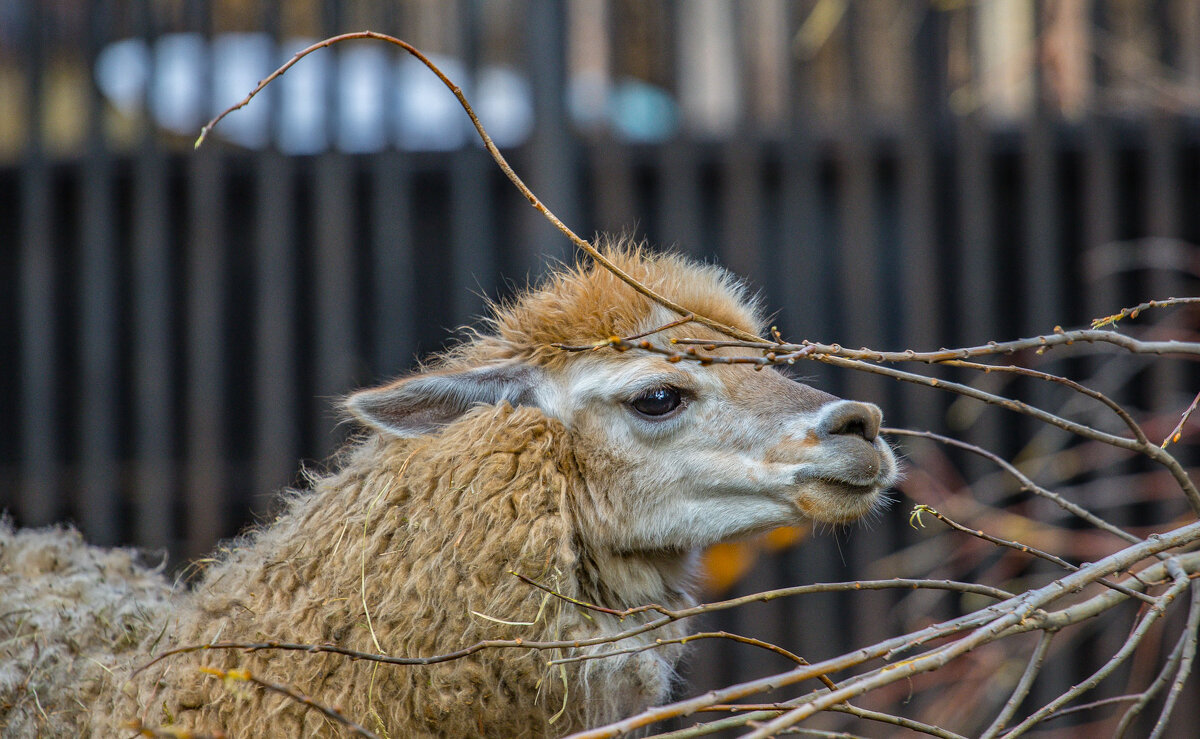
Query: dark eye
657,402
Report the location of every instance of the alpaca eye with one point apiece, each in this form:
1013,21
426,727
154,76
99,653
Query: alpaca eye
657,402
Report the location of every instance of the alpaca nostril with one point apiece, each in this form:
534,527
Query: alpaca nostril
849,418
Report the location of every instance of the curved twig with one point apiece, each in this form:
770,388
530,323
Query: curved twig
1012,616
1023,685
500,161
667,616
1027,549
1026,482
1135,310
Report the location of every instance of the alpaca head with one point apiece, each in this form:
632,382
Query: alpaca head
675,455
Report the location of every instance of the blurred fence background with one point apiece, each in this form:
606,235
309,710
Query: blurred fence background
898,174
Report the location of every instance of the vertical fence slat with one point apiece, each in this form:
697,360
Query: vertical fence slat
394,319
473,258
859,281
1043,278
334,303
680,216
99,504
806,291
1098,185
599,29
741,240
276,254
977,287
153,426
551,161
1042,306
276,387
39,501
802,256
614,189
1167,258
334,295
976,293
206,354
922,276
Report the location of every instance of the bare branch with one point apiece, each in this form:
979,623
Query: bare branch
1038,344
1135,310
1012,616
1188,642
1026,682
1016,546
291,694
500,161
1177,432
1026,483
1181,583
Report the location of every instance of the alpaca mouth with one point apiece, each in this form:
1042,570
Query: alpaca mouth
837,501
848,483
856,465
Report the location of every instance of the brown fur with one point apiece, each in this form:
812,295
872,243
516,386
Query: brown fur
408,546
587,303
419,533
438,534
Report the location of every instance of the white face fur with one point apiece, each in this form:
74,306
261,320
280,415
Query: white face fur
693,455
676,456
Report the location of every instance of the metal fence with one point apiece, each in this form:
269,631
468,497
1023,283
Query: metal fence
178,323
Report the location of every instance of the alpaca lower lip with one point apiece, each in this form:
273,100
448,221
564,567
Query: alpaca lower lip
836,501
852,488
859,474
861,465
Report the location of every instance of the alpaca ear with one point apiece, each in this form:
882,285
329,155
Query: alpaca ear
423,403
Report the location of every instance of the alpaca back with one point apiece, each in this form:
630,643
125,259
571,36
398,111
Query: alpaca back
70,614
408,550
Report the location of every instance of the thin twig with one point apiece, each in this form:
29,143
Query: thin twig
1141,700
667,616
1026,482
1152,615
1018,546
770,710
1189,638
657,643
1039,343
292,694
151,732
1177,432
1032,668
1135,310
1090,706
500,161
1115,407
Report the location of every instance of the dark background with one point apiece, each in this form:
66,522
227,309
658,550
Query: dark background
177,324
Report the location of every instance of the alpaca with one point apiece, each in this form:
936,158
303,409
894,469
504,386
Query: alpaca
598,474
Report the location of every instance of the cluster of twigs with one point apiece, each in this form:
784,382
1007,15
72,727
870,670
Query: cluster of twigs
1153,569
1158,568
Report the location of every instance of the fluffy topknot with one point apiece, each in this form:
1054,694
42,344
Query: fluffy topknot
587,303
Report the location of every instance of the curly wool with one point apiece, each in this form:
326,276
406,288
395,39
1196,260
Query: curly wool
407,549
71,610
